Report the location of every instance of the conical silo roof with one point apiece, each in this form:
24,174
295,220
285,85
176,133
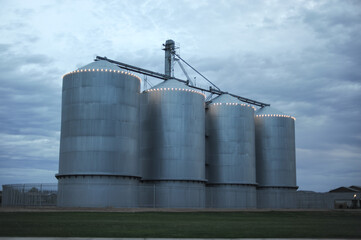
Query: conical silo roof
171,83
100,64
226,98
271,112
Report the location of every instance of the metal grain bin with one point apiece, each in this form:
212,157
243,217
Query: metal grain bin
99,144
275,158
230,153
173,139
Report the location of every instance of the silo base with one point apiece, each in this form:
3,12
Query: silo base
97,191
276,197
172,194
231,196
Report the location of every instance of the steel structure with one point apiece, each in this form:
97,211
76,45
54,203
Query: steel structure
230,153
169,74
123,148
173,143
169,48
275,158
98,163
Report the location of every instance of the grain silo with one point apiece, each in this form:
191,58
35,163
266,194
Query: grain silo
230,153
114,155
99,144
173,144
275,159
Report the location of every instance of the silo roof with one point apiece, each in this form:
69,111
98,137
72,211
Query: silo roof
100,64
271,112
226,98
173,85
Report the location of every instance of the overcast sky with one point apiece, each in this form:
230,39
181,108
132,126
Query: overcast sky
302,57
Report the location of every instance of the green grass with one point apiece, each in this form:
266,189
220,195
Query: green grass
327,224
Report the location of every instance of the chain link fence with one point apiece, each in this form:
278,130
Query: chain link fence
147,195
29,195
152,196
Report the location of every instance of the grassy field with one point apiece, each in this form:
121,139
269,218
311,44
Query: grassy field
273,224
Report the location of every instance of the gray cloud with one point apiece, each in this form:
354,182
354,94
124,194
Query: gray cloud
29,115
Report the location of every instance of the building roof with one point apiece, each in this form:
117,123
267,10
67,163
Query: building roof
344,189
358,188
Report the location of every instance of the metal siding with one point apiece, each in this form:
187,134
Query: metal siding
275,151
99,139
97,191
177,194
173,144
230,144
231,196
100,124
273,197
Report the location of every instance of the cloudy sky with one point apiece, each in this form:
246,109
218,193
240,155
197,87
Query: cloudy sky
303,57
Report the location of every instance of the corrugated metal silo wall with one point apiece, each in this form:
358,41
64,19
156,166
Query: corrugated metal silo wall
275,162
230,156
173,147
99,145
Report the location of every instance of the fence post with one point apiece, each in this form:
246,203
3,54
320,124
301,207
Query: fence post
41,192
23,198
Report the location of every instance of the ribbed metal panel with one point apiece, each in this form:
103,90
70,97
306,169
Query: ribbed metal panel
173,140
231,196
275,159
99,127
276,197
275,151
172,194
230,154
230,142
97,191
